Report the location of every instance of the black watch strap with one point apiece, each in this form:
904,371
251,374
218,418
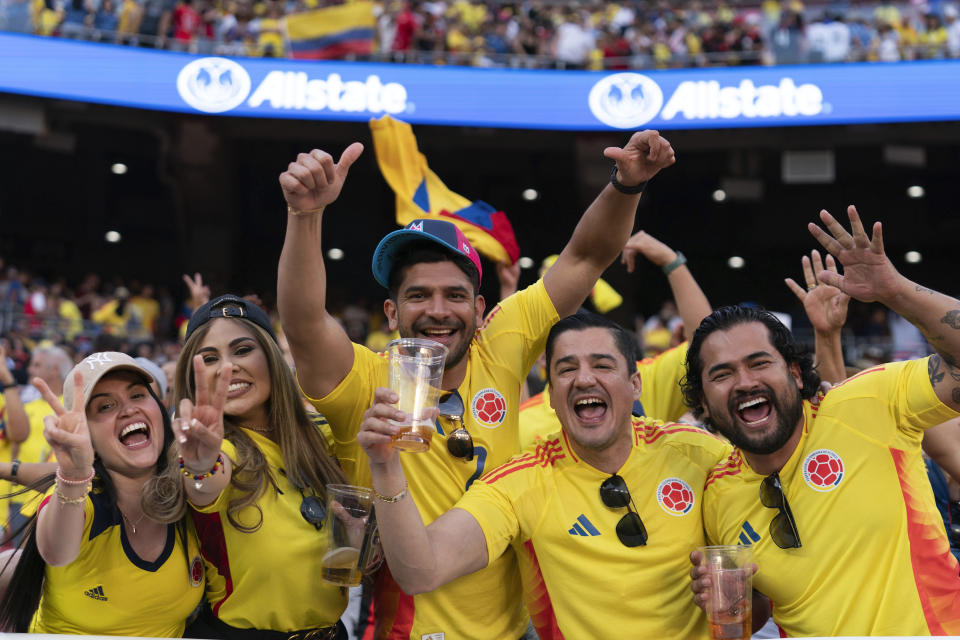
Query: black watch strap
622,188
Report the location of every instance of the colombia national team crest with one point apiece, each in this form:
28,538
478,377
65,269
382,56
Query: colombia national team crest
675,496
489,408
823,470
196,572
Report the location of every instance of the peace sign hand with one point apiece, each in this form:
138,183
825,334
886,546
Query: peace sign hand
67,431
199,427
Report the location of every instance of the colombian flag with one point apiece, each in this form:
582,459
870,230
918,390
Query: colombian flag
333,32
421,194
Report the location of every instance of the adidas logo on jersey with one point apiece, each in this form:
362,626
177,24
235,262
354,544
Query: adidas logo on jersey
747,535
96,593
583,527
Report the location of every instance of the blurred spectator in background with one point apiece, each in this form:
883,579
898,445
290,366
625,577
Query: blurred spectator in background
147,309
128,23
574,42
116,316
77,17
953,31
269,31
186,23
828,39
155,22
105,21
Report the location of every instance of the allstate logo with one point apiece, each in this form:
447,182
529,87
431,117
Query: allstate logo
823,470
213,85
625,100
675,496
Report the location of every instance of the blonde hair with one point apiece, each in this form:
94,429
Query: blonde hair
306,459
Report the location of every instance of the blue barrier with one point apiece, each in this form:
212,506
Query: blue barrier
511,98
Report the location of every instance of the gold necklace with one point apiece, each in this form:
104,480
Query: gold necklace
133,525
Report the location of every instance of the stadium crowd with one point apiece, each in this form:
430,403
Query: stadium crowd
189,491
532,34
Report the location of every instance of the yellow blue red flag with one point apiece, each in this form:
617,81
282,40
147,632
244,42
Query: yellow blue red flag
332,32
421,194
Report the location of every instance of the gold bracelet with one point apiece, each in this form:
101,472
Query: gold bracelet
64,500
297,212
391,499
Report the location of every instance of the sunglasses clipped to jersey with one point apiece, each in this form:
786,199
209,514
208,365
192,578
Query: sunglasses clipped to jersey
459,441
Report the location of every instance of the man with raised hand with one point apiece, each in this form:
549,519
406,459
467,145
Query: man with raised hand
661,396
832,491
601,514
432,275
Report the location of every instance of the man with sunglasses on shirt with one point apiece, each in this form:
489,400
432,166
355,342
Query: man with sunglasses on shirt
432,275
601,514
832,491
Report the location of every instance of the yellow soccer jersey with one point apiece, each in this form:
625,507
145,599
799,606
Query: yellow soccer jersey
109,590
483,605
5,447
874,558
660,396
579,580
269,578
36,448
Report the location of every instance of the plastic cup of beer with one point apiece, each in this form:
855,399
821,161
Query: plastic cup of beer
730,607
350,530
416,371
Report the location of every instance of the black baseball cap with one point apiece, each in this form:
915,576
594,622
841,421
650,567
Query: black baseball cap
230,306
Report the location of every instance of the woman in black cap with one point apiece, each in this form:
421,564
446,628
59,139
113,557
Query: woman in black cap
255,471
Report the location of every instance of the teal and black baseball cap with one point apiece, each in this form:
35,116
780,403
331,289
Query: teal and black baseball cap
445,234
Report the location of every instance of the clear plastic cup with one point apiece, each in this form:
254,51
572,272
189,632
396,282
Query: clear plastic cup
416,371
350,530
730,608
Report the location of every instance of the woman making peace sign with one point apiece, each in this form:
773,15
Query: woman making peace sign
255,469
98,559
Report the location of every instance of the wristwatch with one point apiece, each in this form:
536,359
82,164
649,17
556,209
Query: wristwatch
622,188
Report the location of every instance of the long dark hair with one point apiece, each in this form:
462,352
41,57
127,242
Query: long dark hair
22,597
780,337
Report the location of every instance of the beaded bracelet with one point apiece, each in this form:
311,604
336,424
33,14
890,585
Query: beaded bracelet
202,476
73,483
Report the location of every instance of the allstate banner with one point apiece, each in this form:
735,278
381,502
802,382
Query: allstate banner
514,98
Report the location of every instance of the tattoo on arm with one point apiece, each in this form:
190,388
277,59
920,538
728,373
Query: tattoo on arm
923,289
933,369
956,395
953,370
952,319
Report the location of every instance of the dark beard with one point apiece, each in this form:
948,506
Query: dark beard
788,417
